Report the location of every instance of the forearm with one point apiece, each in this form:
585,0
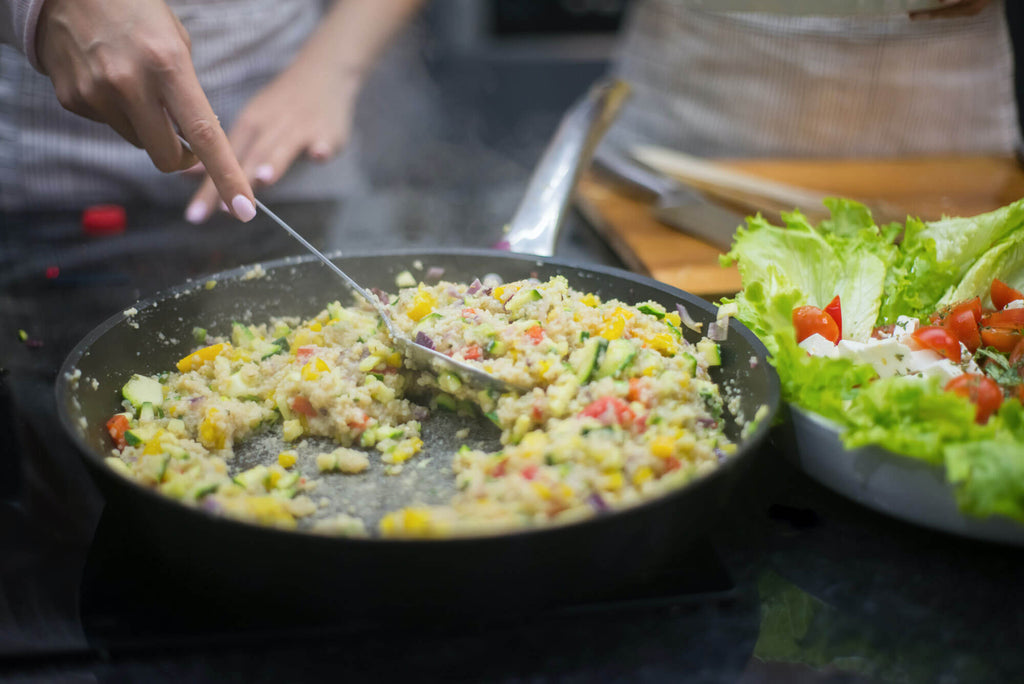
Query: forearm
354,33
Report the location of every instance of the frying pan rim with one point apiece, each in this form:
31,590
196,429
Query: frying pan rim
746,449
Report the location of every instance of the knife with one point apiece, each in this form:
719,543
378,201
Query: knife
674,204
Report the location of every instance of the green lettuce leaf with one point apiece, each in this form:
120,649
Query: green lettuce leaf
935,257
847,255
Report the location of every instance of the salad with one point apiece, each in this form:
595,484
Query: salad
909,337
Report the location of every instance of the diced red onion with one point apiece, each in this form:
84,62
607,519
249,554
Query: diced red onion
720,455
686,319
434,273
381,295
474,286
718,331
597,502
424,340
707,422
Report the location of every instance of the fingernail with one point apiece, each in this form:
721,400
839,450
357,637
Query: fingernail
265,173
320,150
196,212
223,207
243,208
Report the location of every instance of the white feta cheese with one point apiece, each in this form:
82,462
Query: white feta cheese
816,345
1015,304
889,357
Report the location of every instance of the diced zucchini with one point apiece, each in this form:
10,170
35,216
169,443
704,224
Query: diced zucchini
710,351
445,401
689,363
254,479
288,481
522,298
199,334
235,386
147,412
619,354
205,489
140,435
496,347
652,309
241,335
493,417
155,465
405,279
336,310
449,382
139,389
584,359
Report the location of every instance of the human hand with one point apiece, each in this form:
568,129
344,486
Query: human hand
127,63
953,8
306,110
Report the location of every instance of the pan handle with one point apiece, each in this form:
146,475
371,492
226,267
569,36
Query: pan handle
534,227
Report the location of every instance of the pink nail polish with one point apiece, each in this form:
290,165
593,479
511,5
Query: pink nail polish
265,173
243,208
196,212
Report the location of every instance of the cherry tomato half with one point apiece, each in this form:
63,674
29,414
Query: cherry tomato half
1000,339
809,320
964,328
1006,318
939,340
980,390
1002,294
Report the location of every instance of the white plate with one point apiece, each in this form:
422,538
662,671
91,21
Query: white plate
819,7
896,485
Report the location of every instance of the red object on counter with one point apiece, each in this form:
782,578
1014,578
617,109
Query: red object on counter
104,219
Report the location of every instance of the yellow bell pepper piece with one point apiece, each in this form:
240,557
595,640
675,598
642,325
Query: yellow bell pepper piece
197,358
422,303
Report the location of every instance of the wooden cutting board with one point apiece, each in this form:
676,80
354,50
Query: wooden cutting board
927,188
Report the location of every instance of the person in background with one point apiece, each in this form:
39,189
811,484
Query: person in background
78,78
746,84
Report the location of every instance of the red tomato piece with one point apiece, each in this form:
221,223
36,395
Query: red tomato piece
939,340
609,410
116,427
1017,353
973,305
964,327
536,333
300,404
305,353
359,421
1000,339
835,310
980,390
1002,294
530,472
1006,318
809,320
472,352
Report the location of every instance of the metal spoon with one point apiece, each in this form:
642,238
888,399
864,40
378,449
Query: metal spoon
571,148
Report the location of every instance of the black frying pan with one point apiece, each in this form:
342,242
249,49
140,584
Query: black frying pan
511,571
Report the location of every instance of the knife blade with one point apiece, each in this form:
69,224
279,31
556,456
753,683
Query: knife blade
673,203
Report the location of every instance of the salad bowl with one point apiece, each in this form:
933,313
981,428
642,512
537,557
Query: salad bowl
905,488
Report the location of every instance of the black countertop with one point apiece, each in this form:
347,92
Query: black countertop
793,584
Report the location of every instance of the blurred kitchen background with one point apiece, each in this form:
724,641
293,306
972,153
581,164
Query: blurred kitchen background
463,104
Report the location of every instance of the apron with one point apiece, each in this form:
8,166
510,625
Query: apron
760,85
53,159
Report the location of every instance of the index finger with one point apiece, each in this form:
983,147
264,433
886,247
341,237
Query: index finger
187,104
